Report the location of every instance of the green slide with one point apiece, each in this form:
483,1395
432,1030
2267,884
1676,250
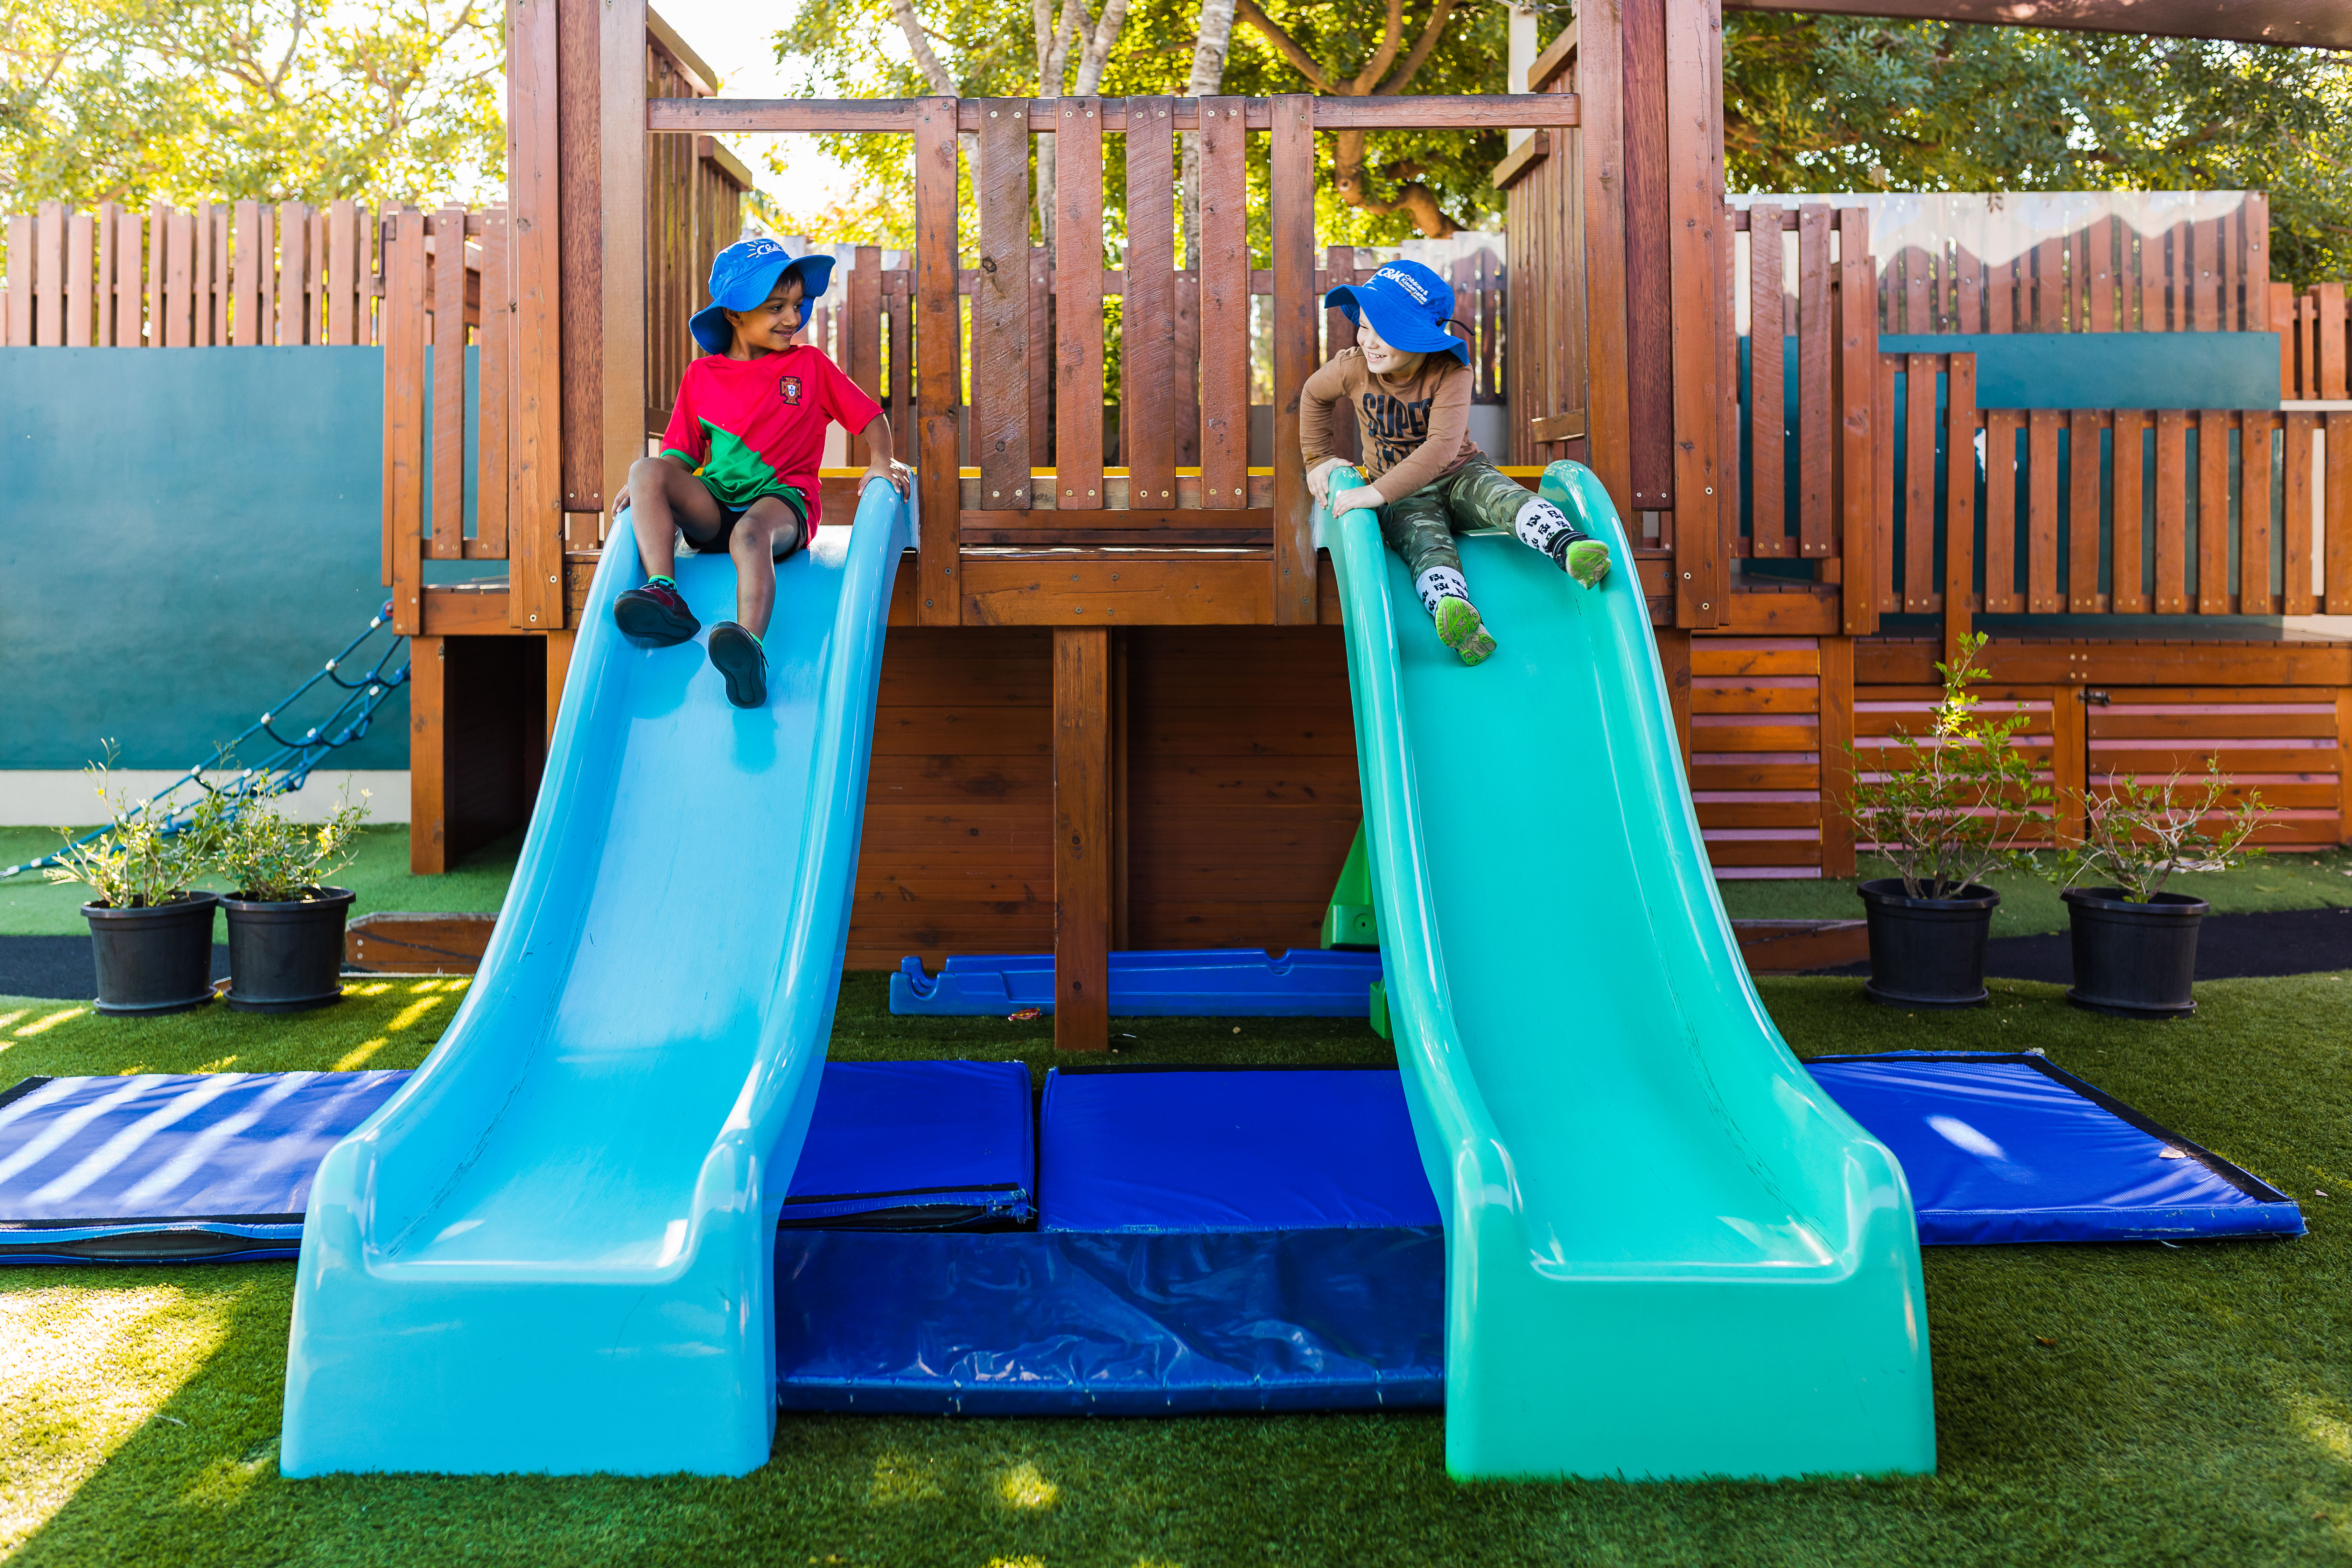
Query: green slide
1668,1253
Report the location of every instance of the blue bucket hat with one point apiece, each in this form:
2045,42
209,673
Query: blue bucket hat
743,275
1409,306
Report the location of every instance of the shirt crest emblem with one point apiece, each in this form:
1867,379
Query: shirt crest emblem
790,388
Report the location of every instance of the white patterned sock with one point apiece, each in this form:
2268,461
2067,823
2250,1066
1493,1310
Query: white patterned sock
1440,582
1541,525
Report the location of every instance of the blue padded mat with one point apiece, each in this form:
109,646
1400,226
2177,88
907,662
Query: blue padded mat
1198,1151
1215,983
921,1146
2009,1148
1033,1323
161,1168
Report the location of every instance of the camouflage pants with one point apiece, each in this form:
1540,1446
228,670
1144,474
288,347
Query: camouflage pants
1420,527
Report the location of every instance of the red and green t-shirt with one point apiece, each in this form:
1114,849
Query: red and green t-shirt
756,427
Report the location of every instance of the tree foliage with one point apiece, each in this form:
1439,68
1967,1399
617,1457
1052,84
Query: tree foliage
185,100
1826,104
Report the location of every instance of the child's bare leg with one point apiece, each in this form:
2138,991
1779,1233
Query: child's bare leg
768,533
663,497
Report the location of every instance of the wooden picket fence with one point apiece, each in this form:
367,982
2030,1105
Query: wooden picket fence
225,274
2317,342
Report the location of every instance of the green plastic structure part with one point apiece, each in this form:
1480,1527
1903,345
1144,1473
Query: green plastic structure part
1350,922
1381,1010
1668,1253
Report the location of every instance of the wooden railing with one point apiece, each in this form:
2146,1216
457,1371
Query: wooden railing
2315,343
226,274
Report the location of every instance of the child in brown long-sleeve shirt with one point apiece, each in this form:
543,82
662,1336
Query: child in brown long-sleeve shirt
1409,383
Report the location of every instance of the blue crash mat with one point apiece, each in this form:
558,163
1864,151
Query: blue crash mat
917,1145
1028,1323
160,1168
2009,1149
1218,982
1146,1151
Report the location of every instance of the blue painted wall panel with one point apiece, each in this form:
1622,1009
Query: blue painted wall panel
2107,370
186,533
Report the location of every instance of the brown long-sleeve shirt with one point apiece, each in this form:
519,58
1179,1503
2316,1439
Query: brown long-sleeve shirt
1415,429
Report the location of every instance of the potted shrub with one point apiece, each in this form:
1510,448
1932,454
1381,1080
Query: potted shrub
2134,946
1946,814
151,932
285,927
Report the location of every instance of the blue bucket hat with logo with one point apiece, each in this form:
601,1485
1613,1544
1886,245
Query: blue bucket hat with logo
743,275
1408,304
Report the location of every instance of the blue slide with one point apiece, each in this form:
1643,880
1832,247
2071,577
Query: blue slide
554,1250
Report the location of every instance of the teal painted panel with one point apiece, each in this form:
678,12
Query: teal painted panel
2106,370
187,533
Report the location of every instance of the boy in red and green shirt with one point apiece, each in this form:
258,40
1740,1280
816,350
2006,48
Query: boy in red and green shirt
738,468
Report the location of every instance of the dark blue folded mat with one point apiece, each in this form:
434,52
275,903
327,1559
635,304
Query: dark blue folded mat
1208,983
917,1146
2009,1148
164,1168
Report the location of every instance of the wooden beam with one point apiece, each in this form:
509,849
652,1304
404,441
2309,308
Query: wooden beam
1558,56
1523,157
697,72
1230,588
1418,112
428,756
1085,862
2240,21
535,430
937,347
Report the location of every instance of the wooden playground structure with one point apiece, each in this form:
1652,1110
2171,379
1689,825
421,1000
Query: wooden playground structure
1114,710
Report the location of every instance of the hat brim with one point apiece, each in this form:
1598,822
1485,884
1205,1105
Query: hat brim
717,335
1399,325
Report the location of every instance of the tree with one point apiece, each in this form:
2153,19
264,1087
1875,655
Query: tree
1823,103
184,101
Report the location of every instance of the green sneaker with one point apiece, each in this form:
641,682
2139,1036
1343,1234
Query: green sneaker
1587,562
1459,629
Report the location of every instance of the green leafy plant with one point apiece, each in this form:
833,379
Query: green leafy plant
270,858
1950,811
146,855
2139,835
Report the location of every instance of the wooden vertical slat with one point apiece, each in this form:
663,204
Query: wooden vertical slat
403,421
1817,414
2083,514
343,258
900,368
865,312
2049,284
2254,262
129,281
1767,440
2098,270
2213,513
201,282
242,290
1041,353
2328,330
180,281
2172,513
1967,290
2046,594
1340,334
493,479
1001,309
266,283
1291,220
294,266
1187,374
1490,319
446,530
1148,312
1084,838
1224,305
2070,756
1880,552
49,276
20,281
1858,359
1699,269
428,756
1601,108
81,269
2255,594
1959,504
535,430
2205,278
938,321
2001,596
2296,536
2336,517
1835,711
1921,594
627,264
1077,304
109,248
2128,591
2149,268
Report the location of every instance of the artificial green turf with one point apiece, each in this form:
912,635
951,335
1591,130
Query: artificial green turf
2195,1407
2030,906
30,906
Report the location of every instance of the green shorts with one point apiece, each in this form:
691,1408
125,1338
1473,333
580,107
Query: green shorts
1420,527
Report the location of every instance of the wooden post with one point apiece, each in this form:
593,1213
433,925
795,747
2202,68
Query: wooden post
1675,666
403,422
2069,759
1857,364
559,665
1960,500
1600,80
937,326
1291,195
1001,311
535,432
1835,710
1085,860
620,48
428,756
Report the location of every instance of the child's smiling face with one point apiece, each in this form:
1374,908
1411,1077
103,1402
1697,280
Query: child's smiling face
1380,358
768,327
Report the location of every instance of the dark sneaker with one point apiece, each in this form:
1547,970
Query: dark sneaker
655,615
736,653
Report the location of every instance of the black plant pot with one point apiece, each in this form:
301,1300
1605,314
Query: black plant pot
154,959
286,957
1926,952
2135,961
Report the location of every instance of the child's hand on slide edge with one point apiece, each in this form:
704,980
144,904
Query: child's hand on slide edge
1318,478
896,474
1367,496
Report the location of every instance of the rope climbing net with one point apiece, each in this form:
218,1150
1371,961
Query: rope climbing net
288,766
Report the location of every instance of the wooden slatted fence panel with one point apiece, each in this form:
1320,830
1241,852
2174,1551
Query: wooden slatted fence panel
1881,712
1756,763
2283,743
